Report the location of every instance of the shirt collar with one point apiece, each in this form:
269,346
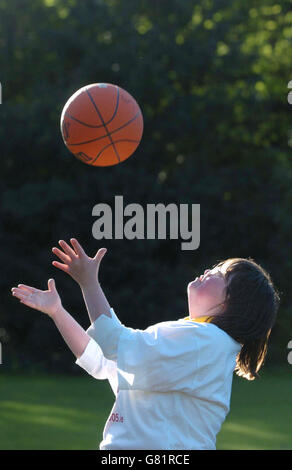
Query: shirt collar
203,319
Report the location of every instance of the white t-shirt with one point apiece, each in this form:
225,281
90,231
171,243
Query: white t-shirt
172,382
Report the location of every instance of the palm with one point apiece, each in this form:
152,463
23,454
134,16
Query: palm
47,301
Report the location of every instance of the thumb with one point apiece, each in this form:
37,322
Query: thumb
100,254
52,285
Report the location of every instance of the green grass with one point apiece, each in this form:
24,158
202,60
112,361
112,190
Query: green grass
53,412
61,412
260,413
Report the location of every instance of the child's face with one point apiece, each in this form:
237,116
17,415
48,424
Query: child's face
206,292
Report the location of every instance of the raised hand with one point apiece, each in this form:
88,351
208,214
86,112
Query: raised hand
76,263
46,301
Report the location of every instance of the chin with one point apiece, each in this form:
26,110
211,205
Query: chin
193,283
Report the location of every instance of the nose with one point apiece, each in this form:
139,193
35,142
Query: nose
202,275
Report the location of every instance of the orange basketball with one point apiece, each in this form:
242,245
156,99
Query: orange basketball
102,124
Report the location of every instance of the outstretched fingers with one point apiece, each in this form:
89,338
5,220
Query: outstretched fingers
26,288
28,300
52,285
22,294
61,255
71,253
63,267
77,247
100,254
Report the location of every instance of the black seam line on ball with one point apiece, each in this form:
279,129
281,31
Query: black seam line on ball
101,125
106,135
121,140
101,118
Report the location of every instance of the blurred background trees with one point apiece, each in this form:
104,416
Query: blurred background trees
211,79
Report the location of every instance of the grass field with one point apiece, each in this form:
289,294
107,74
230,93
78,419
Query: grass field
61,412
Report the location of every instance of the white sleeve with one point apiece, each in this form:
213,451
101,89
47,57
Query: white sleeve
161,358
93,361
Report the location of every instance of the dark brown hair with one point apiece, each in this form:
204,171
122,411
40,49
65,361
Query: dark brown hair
249,314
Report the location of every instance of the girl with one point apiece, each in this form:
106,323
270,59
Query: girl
172,381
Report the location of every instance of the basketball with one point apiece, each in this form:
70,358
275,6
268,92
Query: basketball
101,124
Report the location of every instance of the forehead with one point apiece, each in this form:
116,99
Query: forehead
222,268
217,269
